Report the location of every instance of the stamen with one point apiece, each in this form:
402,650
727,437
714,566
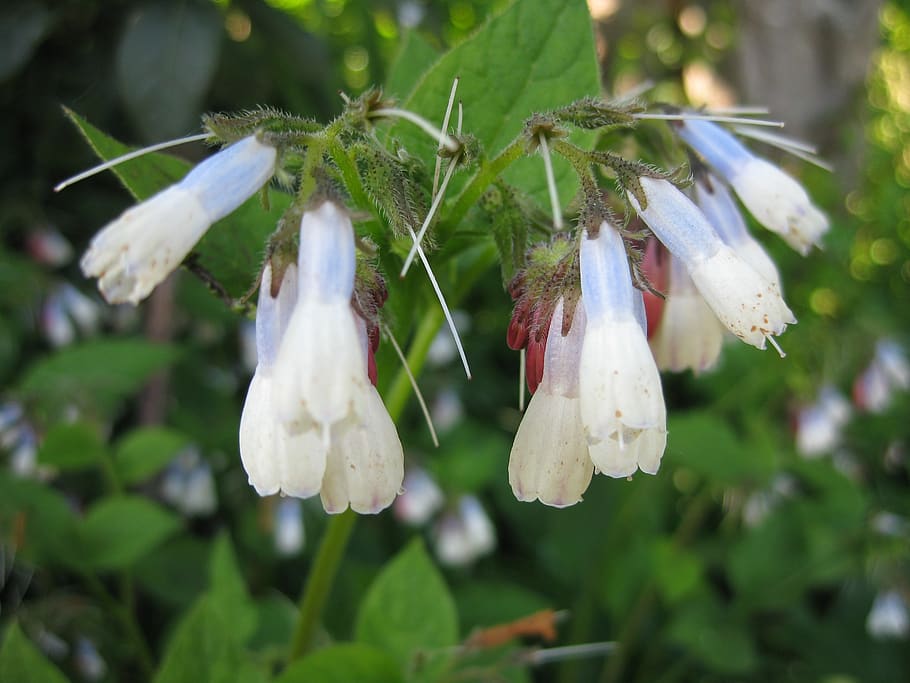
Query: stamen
551,182
444,139
460,118
442,303
556,654
689,116
522,371
445,127
635,91
404,363
776,346
437,200
797,148
739,110
94,170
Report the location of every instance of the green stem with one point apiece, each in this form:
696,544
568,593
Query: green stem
481,181
320,581
128,620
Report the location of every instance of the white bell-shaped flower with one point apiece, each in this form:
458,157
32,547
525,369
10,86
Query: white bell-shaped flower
322,379
745,302
420,499
689,335
464,535
622,404
775,199
888,617
549,459
134,253
819,426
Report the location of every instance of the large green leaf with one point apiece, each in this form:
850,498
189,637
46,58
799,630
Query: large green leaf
414,58
98,374
71,446
532,57
22,662
343,664
46,521
408,611
228,592
145,451
232,249
119,531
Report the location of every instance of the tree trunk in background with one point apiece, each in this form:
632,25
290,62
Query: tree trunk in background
805,59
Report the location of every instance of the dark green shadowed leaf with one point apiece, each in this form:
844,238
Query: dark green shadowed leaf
71,447
344,664
408,611
231,251
22,662
119,531
46,520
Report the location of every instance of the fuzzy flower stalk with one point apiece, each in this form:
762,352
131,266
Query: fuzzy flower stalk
135,252
313,422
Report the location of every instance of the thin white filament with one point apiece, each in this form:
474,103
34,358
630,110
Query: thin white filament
556,654
773,342
95,170
688,116
445,127
441,136
738,110
551,182
635,92
522,371
437,200
442,303
404,363
797,148
460,118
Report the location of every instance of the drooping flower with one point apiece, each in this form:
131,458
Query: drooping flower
889,616
775,199
887,373
745,302
819,425
549,459
622,405
689,334
465,534
421,497
716,202
134,253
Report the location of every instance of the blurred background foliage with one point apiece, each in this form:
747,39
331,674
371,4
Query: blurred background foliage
121,485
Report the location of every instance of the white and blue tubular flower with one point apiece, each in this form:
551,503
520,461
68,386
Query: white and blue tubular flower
775,199
135,252
312,421
622,404
746,303
549,459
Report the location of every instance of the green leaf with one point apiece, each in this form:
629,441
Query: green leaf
408,611
677,571
23,26
415,56
164,64
97,374
530,58
175,573
46,519
119,531
708,446
709,633
470,457
228,594
232,249
145,451
71,446
344,663
22,662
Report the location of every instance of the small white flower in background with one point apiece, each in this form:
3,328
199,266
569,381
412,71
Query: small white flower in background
288,530
48,247
312,421
886,374
442,349
51,644
464,535
746,303
819,426
888,617
622,404
761,503
447,409
420,499
774,198
65,309
549,459
88,660
689,335
134,253
889,524
716,202
189,485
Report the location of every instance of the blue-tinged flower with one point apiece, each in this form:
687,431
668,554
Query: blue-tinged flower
549,459
888,373
288,529
689,335
134,253
746,303
465,534
819,425
716,202
421,497
775,199
888,617
622,404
